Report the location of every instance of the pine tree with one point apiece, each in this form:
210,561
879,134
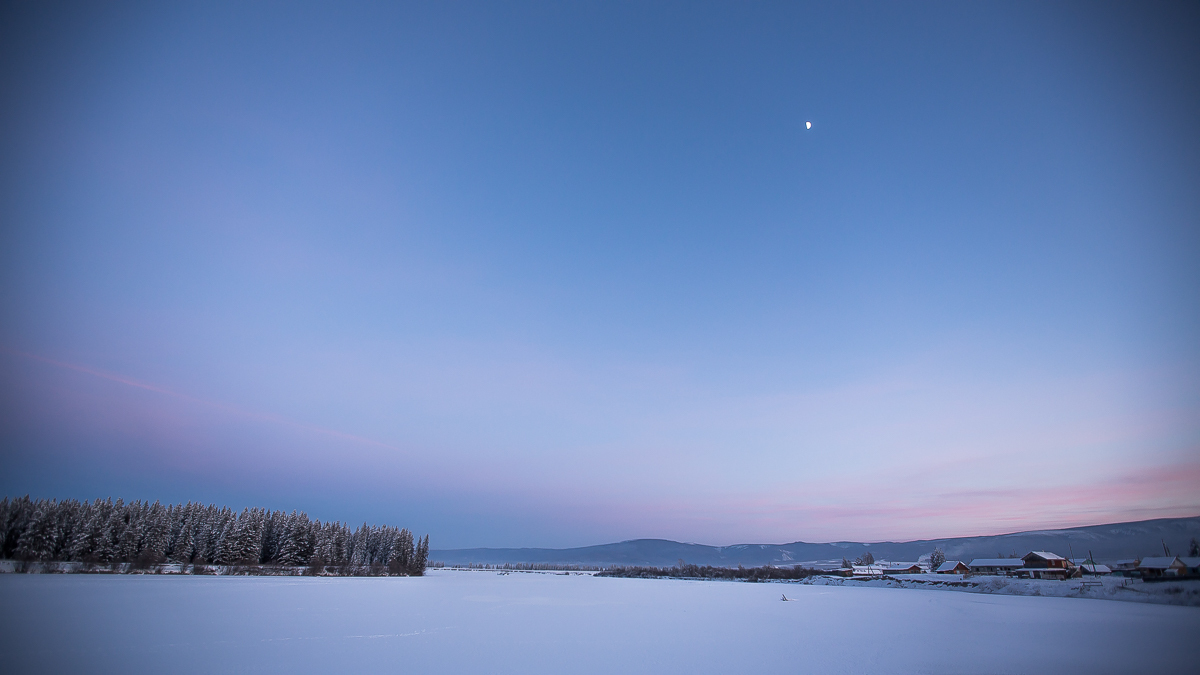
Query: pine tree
68,520
37,541
156,530
273,536
79,547
250,543
227,542
341,544
184,549
235,548
130,540
297,546
20,512
87,538
4,508
106,546
421,558
402,553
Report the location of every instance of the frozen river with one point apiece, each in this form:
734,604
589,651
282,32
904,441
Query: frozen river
482,622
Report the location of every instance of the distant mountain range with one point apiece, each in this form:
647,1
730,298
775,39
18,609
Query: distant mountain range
1106,542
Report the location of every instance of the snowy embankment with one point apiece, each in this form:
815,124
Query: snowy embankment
14,566
18,567
530,623
1096,588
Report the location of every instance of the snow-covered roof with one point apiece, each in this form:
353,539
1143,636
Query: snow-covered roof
902,566
1190,561
1158,563
997,562
949,565
1095,568
1045,555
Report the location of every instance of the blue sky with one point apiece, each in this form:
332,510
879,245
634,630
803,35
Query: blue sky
565,273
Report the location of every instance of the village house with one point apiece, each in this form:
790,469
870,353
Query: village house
1125,567
1192,564
995,565
953,567
1162,567
1045,565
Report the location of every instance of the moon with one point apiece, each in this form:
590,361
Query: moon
808,125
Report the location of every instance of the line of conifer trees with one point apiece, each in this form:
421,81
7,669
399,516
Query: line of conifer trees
104,531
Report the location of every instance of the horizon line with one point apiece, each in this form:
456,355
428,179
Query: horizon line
817,543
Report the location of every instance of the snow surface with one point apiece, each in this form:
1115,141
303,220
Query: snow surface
484,622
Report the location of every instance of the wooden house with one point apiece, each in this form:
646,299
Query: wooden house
1192,564
953,567
1094,568
1046,565
1162,567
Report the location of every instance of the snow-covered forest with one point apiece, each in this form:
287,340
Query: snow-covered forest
104,532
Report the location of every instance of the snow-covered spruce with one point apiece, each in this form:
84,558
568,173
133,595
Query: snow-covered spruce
116,536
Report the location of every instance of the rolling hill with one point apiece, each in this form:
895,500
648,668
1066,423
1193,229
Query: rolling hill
1106,542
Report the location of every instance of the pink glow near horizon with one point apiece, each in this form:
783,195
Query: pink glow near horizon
861,504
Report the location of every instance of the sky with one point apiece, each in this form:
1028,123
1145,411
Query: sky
566,273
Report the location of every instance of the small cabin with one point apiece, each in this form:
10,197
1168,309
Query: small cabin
953,567
1094,568
903,568
1162,567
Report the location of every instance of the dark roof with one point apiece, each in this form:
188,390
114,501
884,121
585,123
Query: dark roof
1044,555
997,562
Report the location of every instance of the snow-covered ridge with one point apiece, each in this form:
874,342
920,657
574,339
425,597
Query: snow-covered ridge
1106,543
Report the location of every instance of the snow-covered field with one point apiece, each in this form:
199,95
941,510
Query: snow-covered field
484,622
